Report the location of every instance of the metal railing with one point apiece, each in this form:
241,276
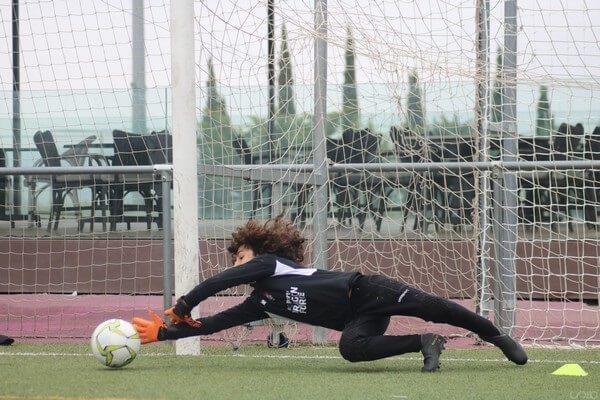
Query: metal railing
165,171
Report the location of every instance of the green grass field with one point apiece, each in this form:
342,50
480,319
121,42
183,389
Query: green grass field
69,371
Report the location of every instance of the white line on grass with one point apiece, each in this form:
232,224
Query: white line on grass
293,357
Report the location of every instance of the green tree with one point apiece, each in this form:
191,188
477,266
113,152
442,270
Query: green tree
216,132
497,92
543,123
285,79
444,126
215,141
293,134
414,105
215,106
350,115
290,128
333,124
299,136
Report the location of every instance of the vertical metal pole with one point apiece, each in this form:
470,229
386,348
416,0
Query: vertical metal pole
185,157
167,178
16,103
271,77
167,110
276,205
506,197
319,247
138,83
482,74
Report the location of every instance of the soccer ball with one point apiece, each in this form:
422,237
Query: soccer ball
115,343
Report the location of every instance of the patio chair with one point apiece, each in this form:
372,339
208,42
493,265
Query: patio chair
262,193
535,202
592,180
409,148
357,194
5,184
566,186
453,192
68,185
131,150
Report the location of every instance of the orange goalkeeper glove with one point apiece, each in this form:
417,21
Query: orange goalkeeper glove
180,313
149,330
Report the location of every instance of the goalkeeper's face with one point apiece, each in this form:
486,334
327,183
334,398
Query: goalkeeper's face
243,255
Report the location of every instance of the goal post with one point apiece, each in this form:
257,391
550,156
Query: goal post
506,190
185,157
320,153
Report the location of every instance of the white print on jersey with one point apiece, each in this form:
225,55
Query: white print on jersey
282,269
295,300
402,295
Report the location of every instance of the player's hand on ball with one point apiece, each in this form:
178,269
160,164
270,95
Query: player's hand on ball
149,330
180,314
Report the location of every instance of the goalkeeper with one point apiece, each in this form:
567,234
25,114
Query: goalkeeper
268,256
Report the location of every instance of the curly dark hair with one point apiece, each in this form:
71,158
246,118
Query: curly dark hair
276,236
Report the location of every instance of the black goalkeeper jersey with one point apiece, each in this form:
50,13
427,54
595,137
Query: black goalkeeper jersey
281,288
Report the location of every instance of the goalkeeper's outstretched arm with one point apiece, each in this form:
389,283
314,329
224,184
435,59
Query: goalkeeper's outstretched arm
156,330
246,273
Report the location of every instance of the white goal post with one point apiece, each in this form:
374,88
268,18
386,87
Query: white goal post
184,157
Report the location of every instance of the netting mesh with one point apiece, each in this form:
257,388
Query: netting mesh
402,87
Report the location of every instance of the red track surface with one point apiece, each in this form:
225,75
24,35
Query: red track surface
64,318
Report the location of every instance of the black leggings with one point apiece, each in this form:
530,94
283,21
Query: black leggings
375,298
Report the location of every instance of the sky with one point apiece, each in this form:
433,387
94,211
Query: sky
85,46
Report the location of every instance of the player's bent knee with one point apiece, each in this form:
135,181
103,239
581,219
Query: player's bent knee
350,354
350,350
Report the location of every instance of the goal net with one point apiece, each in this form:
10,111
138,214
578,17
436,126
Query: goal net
412,91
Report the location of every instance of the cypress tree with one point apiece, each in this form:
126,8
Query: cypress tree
543,125
414,105
216,142
285,79
497,93
215,106
350,114
216,123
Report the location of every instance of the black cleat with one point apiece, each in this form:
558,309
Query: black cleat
511,349
431,347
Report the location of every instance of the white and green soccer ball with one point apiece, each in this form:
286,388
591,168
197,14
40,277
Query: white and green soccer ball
115,343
